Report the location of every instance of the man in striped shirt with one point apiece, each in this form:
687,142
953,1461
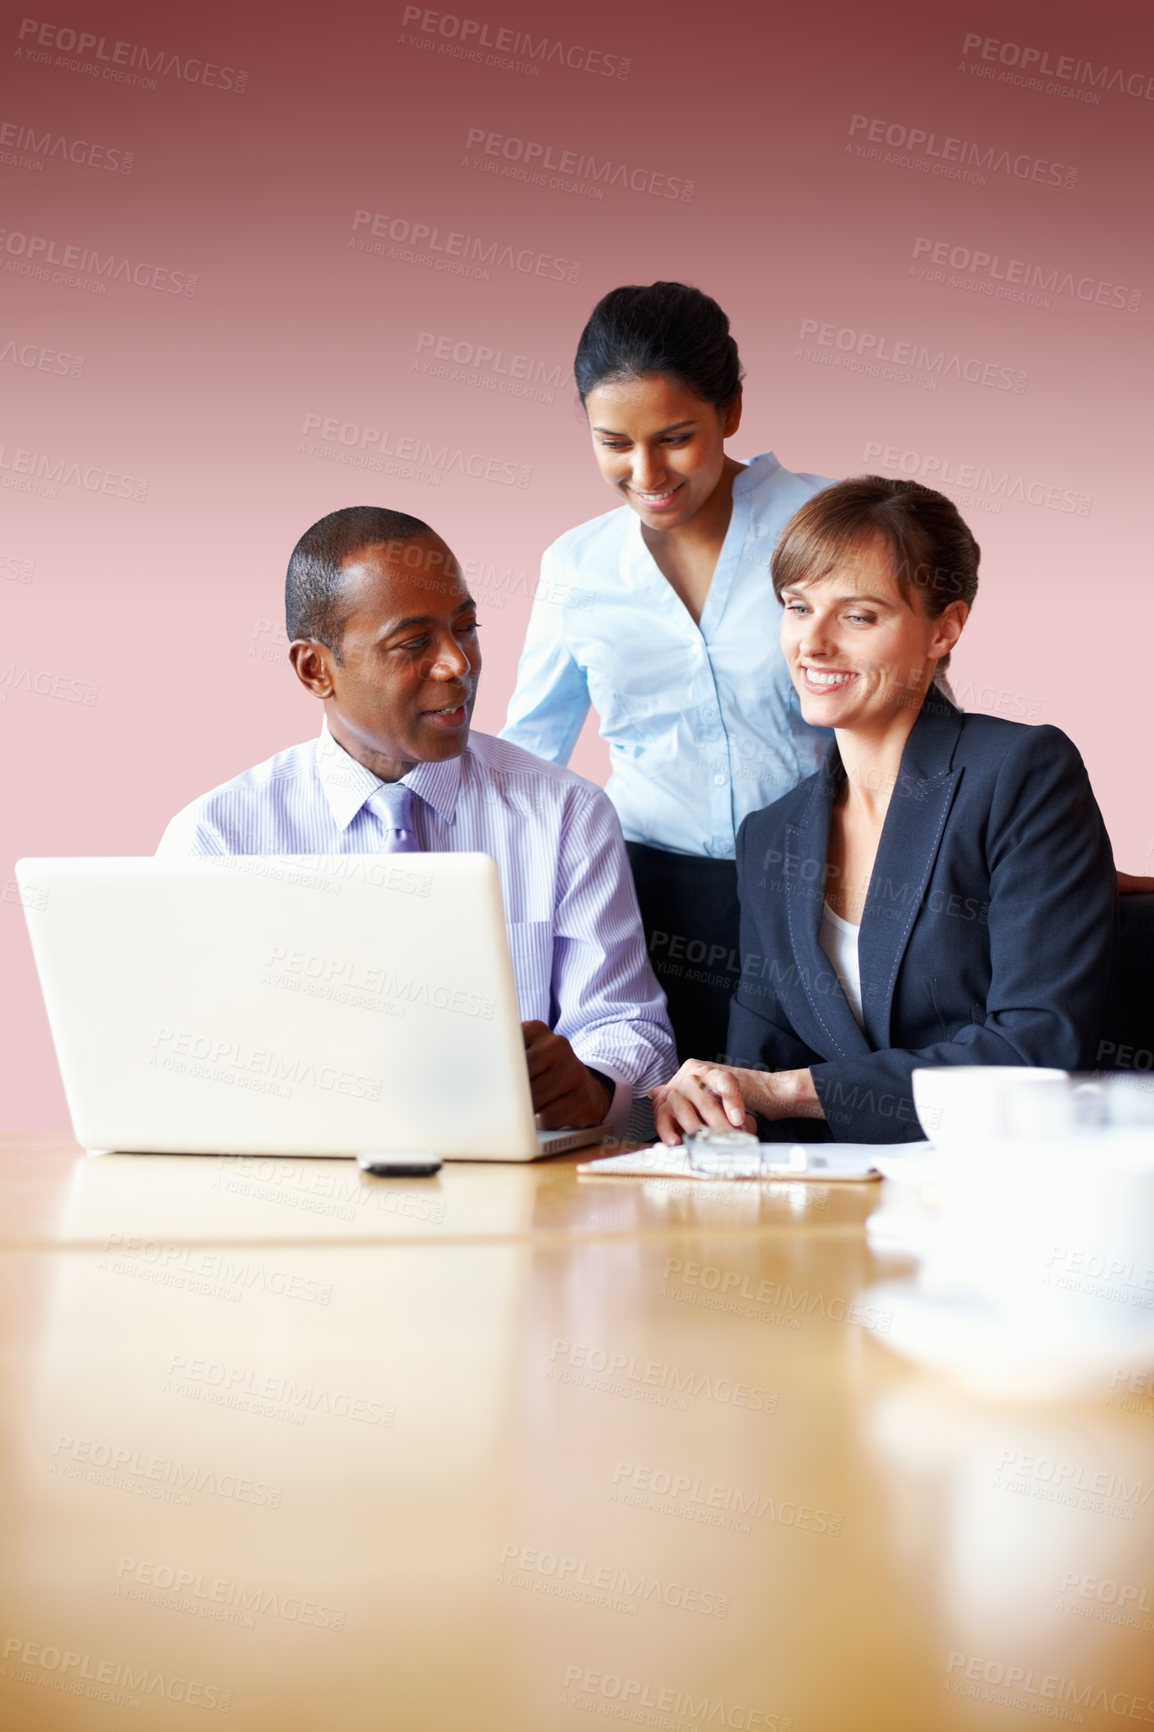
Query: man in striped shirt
383,631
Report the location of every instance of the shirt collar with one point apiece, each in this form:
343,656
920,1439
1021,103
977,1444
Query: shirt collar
438,783
755,472
348,785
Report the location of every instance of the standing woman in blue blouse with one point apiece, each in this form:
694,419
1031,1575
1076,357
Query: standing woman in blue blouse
655,614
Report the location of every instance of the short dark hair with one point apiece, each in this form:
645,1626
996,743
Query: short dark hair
933,553
664,328
312,590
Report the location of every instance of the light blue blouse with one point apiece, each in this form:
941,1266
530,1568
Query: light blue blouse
702,722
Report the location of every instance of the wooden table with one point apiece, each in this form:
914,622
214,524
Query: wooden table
514,1451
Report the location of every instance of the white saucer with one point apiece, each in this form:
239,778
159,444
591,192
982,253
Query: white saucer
990,1349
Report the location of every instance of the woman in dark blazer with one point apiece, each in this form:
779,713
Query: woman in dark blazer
942,891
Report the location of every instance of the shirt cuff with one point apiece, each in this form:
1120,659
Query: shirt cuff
622,1101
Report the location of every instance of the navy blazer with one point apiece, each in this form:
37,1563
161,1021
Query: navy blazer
987,934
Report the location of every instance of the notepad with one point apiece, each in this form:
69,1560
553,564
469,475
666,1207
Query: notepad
820,1162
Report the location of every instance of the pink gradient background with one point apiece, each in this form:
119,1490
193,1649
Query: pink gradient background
172,607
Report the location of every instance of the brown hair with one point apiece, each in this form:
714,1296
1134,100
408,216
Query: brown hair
932,551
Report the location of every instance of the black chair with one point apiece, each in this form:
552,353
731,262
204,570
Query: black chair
1128,1041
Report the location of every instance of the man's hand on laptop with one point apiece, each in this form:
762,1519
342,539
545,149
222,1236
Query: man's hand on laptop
565,1091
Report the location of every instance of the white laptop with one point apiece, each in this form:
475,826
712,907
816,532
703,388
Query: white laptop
286,1005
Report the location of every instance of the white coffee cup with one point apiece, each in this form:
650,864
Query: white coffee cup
964,1107
1054,1230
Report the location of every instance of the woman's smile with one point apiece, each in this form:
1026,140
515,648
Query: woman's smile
821,680
654,501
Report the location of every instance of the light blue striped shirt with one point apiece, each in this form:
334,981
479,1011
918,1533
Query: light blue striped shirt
574,930
702,721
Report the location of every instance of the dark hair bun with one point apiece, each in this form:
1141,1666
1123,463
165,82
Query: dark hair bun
665,328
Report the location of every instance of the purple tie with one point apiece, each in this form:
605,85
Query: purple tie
392,804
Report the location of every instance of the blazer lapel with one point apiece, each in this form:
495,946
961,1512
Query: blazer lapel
806,850
911,836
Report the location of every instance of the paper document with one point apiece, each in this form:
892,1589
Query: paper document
822,1162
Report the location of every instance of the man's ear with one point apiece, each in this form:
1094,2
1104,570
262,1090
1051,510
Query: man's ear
312,663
